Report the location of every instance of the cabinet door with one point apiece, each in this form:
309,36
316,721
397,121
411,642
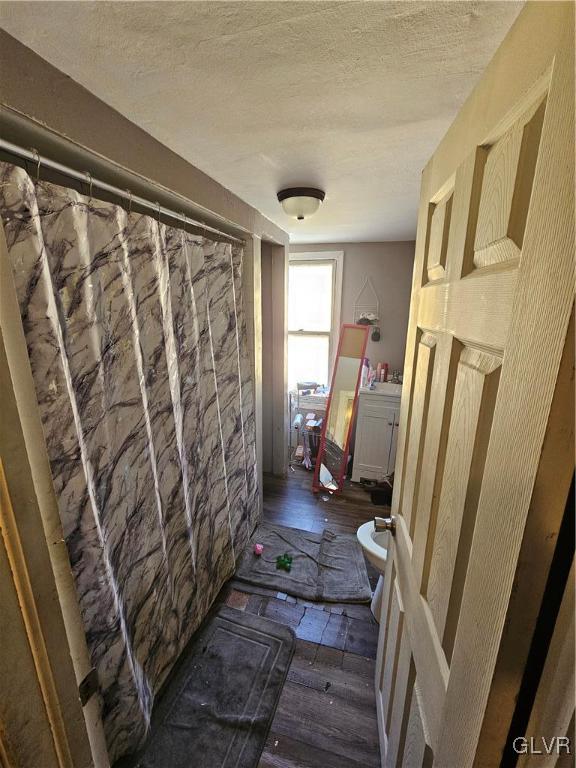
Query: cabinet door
373,439
393,441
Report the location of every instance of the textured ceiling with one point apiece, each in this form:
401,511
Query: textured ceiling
352,97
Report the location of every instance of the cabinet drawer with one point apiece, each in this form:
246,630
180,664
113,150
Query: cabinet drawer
379,401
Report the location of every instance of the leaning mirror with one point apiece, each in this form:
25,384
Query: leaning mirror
332,458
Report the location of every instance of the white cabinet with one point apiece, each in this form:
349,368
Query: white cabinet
376,434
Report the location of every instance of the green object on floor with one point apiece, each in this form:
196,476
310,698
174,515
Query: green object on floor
284,562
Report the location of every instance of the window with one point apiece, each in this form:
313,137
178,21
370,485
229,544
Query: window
313,316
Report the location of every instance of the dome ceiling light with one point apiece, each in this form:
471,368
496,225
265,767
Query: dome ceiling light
300,202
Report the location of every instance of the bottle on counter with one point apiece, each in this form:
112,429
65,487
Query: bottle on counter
365,372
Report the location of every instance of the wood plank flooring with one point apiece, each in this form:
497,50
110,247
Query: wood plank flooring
323,718
290,501
326,716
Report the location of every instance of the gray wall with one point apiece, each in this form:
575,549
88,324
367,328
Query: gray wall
267,357
389,265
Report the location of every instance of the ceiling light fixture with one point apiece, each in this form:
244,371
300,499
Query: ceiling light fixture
300,202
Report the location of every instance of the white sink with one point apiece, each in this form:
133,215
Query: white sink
374,543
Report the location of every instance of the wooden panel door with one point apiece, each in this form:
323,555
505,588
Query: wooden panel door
485,443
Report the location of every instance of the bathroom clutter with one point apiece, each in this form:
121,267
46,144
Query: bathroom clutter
380,491
379,375
307,405
382,372
317,567
284,562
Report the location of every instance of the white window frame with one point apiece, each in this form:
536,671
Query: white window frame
337,259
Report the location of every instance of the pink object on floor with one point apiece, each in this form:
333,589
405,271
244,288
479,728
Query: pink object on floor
258,549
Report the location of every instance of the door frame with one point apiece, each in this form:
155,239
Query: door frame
33,537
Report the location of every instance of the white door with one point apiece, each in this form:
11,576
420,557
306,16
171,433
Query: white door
485,444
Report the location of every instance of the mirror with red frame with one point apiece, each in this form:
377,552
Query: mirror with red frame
332,460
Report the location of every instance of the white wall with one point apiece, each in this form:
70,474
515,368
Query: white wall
389,265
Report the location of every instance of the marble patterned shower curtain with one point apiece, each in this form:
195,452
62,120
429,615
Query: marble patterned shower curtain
137,345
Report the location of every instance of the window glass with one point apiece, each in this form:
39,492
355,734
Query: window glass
310,297
307,359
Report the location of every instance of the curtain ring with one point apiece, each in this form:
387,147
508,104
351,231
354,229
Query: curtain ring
129,201
158,213
37,158
89,182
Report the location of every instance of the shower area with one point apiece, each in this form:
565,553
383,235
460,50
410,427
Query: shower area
136,337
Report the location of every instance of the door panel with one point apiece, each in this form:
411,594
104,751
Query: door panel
475,394
507,181
491,302
438,239
416,751
419,418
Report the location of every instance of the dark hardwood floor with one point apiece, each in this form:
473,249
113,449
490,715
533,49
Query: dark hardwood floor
326,716
290,501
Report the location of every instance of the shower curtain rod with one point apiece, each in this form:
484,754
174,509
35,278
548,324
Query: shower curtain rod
86,178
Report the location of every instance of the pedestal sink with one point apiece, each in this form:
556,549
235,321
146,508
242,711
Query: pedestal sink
375,546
